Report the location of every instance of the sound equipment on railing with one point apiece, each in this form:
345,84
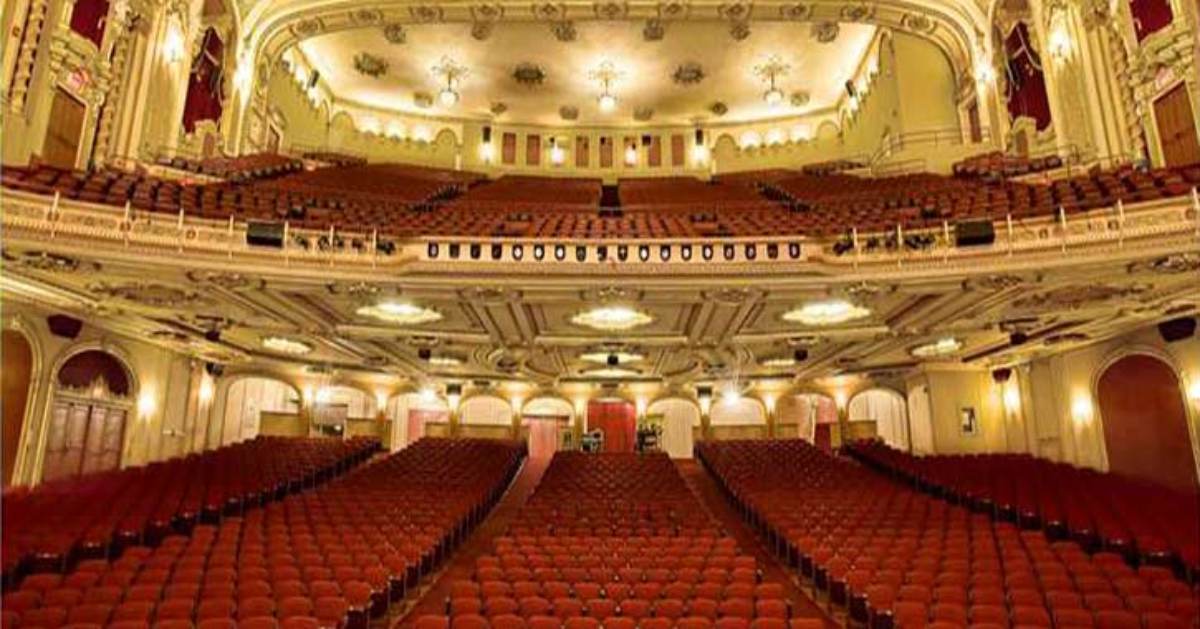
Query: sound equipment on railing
312,79
1001,375
800,355
264,234
974,233
212,336
1018,338
424,353
613,360
487,134
214,369
63,325
1177,329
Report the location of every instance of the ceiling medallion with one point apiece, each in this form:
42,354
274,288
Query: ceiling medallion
799,99
568,112
426,13
643,114
944,346
718,108
308,28
654,30
481,31
857,12
370,65
529,74
395,33
673,9
830,312
735,11
917,22
550,11
284,345
400,313
564,31
366,16
610,10
796,12
612,318
739,31
498,109
487,12
423,100
689,73
825,32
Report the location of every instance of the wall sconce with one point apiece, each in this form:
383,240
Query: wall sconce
487,152
700,154
631,155
985,73
173,44
1058,40
381,400
244,73
146,404
1193,391
1081,409
1012,398
557,154
840,398
206,389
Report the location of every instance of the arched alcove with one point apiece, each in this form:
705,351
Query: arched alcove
93,398
679,416
887,410
737,418
1145,421
249,398
410,412
920,420
799,415
17,375
546,420
485,410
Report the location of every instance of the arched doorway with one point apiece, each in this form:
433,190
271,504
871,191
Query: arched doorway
410,412
616,420
800,415
738,417
679,418
886,409
486,417
249,399
336,406
92,400
1145,421
17,375
546,420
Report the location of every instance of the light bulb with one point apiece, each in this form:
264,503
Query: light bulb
608,102
448,97
631,156
557,155
773,96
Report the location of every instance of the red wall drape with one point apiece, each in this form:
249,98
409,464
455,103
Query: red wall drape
1150,16
205,100
417,418
88,17
1026,81
543,434
618,420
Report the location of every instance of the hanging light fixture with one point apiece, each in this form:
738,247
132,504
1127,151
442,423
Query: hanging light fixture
453,73
769,71
605,74
557,155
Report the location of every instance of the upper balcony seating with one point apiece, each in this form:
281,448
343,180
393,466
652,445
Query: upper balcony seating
336,556
687,191
334,159
410,202
997,165
1146,521
53,524
241,168
897,557
616,539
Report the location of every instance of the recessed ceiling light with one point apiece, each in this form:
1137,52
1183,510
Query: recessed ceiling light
285,345
612,372
444,361
400,313
603,357
612,318
941,347
829,312
776,362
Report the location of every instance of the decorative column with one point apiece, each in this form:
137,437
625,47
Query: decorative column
18,90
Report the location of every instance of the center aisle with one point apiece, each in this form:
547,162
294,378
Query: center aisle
709,494
462,566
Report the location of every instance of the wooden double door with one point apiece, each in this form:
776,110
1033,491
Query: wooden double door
1177,127
84,438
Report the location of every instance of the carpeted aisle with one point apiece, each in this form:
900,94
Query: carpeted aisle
709,494
462,564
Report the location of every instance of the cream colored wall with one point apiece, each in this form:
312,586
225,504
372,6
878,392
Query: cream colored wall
952,388
165,384
926,84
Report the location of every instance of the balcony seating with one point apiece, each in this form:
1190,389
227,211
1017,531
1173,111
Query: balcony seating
1146,522
241,168
616,539
336,556
53,525
997,165
897,557
334,159
412,202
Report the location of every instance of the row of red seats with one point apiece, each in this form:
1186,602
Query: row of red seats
615,540
50,526
896,557
1146,521
240,168
689,191
337,556
334,158
517,192
996,165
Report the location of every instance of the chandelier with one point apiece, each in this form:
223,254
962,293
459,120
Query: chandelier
605,74
769,71
453,73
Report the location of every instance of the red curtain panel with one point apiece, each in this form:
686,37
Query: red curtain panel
618,421
1026,82
1150,16
88,17
205,100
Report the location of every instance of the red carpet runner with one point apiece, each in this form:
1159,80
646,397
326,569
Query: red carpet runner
462,565
709,494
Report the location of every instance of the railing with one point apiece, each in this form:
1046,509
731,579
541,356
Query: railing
40,222
928,138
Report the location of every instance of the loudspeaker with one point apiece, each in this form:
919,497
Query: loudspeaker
1001,375
212,336
313,78
699,136
264,234
613,360
214,369
1177,329
974,233
487,134
1018,338
850,90
424,353
64,326
454,388
800,355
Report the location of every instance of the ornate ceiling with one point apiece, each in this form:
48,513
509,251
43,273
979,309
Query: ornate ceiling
540,72
521,327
